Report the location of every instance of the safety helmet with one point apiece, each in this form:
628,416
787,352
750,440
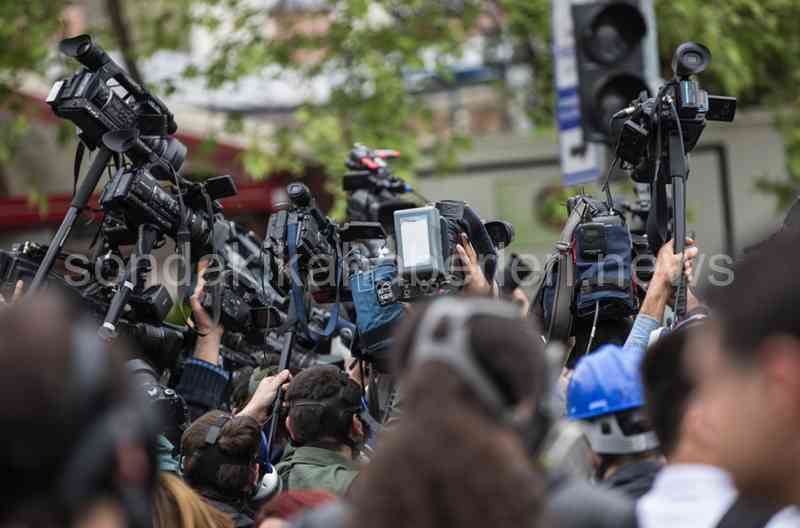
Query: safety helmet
605,393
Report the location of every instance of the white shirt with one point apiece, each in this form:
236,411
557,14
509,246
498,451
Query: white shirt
695,496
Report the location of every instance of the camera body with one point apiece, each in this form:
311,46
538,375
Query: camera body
680,103
314,244
98,106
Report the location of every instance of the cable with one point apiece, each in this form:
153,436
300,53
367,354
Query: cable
607,184
594,326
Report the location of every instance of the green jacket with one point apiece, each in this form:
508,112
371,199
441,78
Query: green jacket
314,468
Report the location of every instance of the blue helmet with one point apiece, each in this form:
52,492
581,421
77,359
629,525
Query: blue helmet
603,384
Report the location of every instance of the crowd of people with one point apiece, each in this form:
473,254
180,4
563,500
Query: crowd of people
693,424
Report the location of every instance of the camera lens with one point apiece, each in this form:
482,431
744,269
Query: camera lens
692,59
299,194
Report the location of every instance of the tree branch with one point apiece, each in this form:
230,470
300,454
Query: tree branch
121,29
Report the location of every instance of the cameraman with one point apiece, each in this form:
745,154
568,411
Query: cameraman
77,447
326,431
221,452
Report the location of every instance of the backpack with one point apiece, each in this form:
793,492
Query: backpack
590,273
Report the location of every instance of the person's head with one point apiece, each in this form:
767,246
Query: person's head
676,412
76,447
220,454
605,394
324,404
472,377
176,505
284,506
751,376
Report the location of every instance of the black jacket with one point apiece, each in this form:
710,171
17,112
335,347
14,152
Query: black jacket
579,504
635,479
202,386
238,510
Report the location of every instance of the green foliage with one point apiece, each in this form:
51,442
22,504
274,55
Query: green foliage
37,21
365,48
756,57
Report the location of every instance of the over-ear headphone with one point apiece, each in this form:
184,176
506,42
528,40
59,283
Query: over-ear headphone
454,350
336,409
204,470
111,426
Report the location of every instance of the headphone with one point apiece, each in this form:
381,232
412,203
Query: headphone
339,409
211,458
455,351
110,427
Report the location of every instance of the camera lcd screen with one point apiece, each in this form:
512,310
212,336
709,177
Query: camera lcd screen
418,234
416,243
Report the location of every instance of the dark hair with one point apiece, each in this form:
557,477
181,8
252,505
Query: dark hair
240,388
444,463
240,438
516,380
291,503
668,386
45,414
762,300
323,383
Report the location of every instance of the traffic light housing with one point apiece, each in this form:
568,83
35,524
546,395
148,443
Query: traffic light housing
609,47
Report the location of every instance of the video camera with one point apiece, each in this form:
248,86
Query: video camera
680,106
307,247
100,107
656,137
373,191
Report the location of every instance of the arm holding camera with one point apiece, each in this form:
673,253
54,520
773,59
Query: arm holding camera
260,405
203,380
660,291
475,281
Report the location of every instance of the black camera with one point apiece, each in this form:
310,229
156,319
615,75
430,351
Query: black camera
680,103
134,197
426,240
312,244
169,406
307,247
242,302
101,99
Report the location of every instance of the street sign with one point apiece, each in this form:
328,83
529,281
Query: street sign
579,159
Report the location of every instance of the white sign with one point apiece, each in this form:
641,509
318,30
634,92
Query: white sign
579,160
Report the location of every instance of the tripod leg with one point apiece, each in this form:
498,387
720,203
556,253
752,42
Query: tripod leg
79,201
148,236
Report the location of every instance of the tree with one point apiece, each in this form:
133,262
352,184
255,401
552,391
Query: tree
365,49
756,57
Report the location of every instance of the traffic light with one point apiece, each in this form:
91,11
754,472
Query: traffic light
609,47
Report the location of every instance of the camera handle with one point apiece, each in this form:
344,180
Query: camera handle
149,235
679,171
283,364
79,201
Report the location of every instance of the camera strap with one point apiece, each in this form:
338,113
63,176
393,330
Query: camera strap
76,168
292,234
294,271
561,318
